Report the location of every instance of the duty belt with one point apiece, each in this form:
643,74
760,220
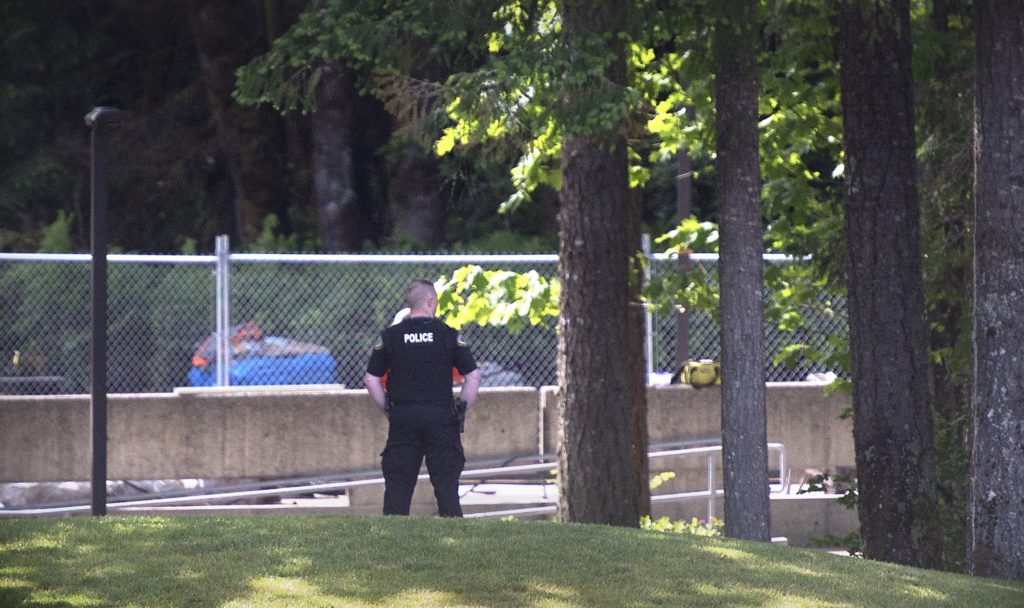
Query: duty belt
420,402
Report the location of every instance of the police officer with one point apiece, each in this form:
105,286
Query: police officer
418,355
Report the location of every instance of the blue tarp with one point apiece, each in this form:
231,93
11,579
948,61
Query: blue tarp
315,368
258,359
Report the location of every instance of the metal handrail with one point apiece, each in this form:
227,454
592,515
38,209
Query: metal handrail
711,493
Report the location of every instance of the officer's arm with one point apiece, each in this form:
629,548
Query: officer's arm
376,390
470,387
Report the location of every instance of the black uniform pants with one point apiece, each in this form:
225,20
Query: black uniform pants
417,431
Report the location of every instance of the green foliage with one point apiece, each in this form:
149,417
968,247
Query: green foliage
188,247
44,57
32,305
381,41
851,542
835,484
401,241
696,527
531,84
805,308
497,297
156,317
802,305
505,241
56,237
672,63
57,60
661,478
697,288
690,236
801,132
269,241
536,85
800,129
943,75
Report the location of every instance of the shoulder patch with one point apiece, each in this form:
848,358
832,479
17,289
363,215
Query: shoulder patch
459,340
379,345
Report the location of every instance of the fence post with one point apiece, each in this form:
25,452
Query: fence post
645,245
222,272
684,207
711,488
99,120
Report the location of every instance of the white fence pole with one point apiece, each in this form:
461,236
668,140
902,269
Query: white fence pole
223,296
645,244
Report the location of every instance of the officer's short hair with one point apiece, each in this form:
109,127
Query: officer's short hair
418,292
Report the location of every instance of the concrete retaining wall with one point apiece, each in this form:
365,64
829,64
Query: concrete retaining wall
298,431
800,416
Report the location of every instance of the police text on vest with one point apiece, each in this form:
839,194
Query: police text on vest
418,338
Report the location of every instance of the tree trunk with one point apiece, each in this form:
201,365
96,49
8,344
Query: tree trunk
229,34
415,206
892,418
996,508
602,456
741,274
342,223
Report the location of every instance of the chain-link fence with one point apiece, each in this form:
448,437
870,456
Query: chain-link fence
288,319
800,311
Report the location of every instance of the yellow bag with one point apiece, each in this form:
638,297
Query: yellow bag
704,372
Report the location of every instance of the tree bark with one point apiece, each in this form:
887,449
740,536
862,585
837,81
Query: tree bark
415,203
228,34
892,418
602,456
741,274
342,223
996,507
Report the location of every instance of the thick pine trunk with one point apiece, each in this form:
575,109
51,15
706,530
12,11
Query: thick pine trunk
996,508
892,418
228,34
343,224
415,203
602,457
597,465
744,434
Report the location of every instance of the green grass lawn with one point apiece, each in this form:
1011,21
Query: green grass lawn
296,561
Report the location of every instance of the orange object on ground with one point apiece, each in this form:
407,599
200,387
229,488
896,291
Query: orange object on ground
456,378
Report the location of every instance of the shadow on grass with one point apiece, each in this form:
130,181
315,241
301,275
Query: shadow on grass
363,561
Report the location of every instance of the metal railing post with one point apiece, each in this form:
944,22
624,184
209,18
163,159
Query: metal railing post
711,488
645,244
222,249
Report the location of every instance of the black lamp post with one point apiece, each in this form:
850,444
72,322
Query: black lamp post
100,120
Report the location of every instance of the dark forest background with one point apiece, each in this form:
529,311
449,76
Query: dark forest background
191,163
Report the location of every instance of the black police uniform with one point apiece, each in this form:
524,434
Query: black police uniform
418,355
